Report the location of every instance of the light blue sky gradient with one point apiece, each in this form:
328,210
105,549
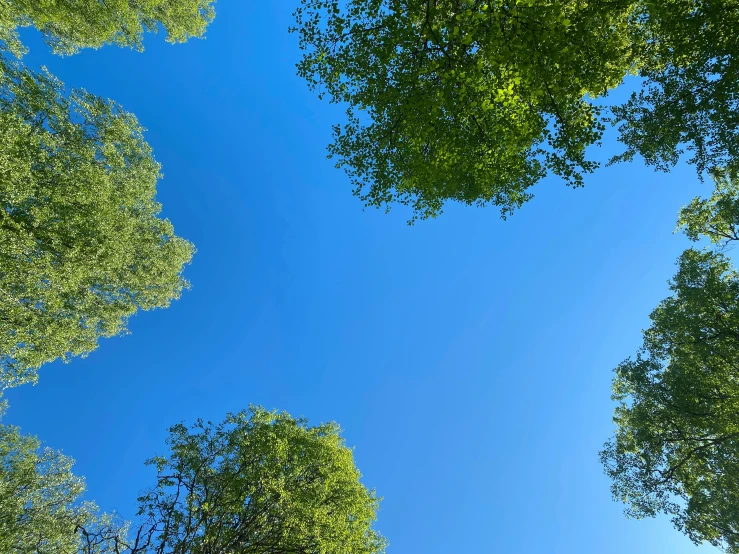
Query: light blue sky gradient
468,359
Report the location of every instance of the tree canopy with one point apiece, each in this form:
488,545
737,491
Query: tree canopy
676,447
715,218
70,26
690,99
472,101
260,482
475,101
40,506
81,245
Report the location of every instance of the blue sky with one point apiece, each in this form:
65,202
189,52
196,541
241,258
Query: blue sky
468,359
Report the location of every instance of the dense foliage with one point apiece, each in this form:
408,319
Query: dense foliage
39,497
258,483
70,26
690,99
81,245
473,101
676,448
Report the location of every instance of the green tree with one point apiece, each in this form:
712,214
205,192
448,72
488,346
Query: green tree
41,507
259,482
690,99
81,245
471,100
70,26
676,447
716,218
39,497
475,101
9,40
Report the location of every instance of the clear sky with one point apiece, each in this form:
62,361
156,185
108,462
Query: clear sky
468,359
